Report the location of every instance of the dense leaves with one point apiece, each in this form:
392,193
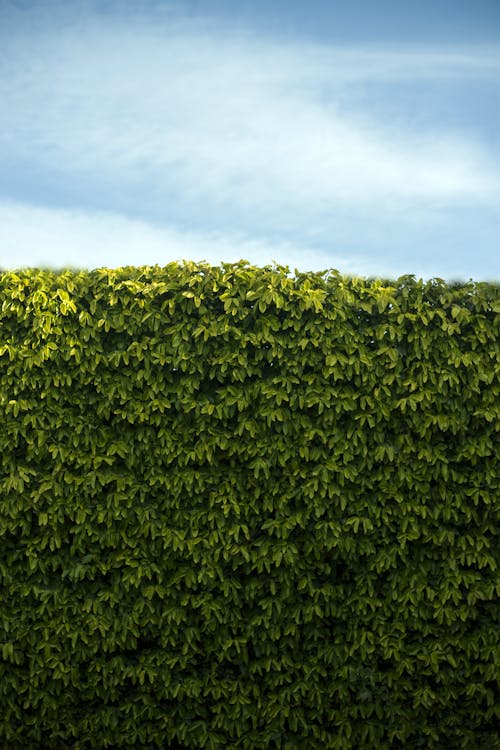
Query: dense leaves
244,508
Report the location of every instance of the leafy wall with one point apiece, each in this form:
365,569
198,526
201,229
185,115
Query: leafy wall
242,508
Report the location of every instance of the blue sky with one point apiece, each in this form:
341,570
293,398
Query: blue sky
359,136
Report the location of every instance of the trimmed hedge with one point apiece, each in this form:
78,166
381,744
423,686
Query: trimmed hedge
247,509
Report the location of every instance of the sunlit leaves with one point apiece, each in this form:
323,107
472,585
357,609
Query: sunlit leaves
244,507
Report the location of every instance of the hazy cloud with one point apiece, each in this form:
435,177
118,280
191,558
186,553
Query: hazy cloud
234,121
179,123
33,237
95,239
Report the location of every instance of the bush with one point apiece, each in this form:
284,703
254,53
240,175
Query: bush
242,508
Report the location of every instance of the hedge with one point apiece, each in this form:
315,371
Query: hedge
245,508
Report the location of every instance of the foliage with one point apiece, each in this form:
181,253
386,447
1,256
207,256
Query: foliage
244,508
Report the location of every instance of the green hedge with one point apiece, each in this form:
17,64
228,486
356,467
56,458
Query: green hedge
242,508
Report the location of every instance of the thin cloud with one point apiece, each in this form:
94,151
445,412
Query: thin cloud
31,236
234,122
39,237
216,143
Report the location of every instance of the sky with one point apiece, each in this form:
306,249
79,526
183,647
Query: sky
357,136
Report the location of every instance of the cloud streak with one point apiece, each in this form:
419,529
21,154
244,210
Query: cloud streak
31,236
235,122
178,123
96,239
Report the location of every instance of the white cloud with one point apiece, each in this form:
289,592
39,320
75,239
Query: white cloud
169,138
35,237
31,236
257,128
